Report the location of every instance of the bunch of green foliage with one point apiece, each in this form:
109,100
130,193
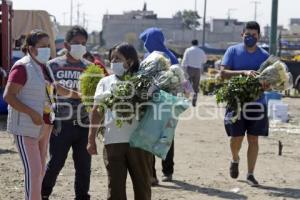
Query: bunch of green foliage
209,86
88,84
127,97
238,91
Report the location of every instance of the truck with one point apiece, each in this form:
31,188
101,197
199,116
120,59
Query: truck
15,24
6,16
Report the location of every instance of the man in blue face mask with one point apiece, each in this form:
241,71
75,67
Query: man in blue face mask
245,59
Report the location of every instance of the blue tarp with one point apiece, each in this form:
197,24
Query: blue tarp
156,129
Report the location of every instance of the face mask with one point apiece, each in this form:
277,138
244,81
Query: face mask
77,51
250,41
118,68
43,55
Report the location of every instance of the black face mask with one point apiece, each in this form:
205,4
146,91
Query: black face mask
250,41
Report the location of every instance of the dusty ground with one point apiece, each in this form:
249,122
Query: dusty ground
202,161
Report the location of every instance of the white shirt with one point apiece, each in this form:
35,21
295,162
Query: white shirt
112,133
194,57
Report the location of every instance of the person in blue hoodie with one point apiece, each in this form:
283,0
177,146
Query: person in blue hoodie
154,39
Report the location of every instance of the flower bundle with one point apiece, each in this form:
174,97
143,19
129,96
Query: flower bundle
166,76
88,82
240,90
127,97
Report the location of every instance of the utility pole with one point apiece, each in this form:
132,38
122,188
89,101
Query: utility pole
204,27
64,16
195,10
229,13
255,8
78,12
84,20
273,33
87,25
71,13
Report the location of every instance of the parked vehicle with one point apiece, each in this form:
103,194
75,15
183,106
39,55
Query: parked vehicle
14,25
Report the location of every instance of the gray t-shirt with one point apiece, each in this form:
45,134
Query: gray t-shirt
67,74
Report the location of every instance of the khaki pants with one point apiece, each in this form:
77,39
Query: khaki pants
120,158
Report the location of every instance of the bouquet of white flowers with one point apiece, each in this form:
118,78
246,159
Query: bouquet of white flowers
166,76
276,76
155,73
154,63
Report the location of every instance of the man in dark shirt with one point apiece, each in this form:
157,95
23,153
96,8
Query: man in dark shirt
70,112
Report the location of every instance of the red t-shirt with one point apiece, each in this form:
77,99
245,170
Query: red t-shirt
18,75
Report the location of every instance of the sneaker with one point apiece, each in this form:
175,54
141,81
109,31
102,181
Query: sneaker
167,178
154,182
234,169
252,181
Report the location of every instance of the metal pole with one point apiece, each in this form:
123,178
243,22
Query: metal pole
204,27
64,15
280,47
78,13
229,13
255,8
71,13
273,33
195,10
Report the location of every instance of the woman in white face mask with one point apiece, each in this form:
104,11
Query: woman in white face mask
29,109
119,158
123,59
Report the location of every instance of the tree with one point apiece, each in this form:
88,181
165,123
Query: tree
131,38
189,18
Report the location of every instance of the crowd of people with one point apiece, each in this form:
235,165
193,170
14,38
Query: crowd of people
45,112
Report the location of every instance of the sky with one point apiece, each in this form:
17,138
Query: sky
243,10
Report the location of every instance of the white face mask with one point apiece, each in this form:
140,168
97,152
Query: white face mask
43,55
118,68
77,51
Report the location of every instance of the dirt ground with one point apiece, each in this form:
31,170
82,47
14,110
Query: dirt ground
201,163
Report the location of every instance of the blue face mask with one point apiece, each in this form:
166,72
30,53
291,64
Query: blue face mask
250,41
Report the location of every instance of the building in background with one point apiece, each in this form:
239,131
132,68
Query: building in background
127,26
294,26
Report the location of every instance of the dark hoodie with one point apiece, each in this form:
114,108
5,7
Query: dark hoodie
153,40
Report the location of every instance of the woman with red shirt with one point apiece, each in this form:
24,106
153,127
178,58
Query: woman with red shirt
29,98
